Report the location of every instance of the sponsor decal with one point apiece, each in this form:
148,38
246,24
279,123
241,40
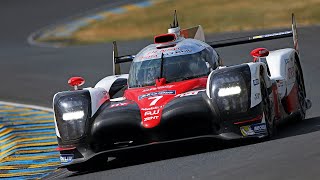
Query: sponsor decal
118,105
152,112
190,93
286,61
169,51
153,56
151,108
257,96
259,128
66,158
246,131
254,129
271,35
166,92
256,82
163,50
280,83
150,118
291,73
158,88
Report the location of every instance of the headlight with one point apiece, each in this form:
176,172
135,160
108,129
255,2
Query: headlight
72,111
73,115
230,90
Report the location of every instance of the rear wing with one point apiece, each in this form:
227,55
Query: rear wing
265,37
250,39
197,33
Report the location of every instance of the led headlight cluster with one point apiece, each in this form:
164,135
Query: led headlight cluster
230,91
69,116
72,113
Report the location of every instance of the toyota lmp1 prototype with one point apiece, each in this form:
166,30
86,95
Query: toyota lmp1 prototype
177,89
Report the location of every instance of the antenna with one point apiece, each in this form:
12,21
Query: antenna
175,20
161,67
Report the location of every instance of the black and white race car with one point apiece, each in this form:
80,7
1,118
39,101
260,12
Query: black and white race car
177,89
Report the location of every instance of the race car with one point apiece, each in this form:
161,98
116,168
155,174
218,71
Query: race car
178,89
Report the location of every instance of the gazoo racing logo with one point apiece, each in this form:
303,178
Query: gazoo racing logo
167,92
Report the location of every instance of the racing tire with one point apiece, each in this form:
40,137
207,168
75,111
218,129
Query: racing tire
301,94
270,122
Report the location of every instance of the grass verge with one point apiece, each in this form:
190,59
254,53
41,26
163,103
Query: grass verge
214,15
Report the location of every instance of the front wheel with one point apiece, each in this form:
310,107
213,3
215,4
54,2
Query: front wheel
270,123
301,94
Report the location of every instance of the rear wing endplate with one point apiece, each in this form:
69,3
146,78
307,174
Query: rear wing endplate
117,60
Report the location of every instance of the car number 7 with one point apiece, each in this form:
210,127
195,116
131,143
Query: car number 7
155,100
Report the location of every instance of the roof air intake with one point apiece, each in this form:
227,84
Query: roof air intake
164,38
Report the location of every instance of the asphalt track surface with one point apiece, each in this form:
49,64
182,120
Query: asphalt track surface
33,74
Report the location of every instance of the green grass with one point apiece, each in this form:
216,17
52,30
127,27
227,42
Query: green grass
214,15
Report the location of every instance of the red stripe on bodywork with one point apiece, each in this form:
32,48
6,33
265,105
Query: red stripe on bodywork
65,148
258,118
292,100
104,99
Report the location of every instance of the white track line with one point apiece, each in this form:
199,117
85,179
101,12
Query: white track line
26,106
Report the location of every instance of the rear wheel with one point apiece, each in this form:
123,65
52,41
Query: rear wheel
301,94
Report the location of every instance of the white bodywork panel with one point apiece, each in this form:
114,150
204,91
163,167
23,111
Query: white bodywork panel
55,122
101,90
98,97
282,69
194,32
107,82
256,96
99,94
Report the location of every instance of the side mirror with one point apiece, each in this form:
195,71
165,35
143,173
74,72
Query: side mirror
75,82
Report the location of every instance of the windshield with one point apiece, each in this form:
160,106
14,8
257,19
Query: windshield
176,68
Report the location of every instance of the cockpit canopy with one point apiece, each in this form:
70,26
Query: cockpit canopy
187,60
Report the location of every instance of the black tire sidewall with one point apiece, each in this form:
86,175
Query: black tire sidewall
266,105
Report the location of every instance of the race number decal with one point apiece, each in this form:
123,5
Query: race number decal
155,100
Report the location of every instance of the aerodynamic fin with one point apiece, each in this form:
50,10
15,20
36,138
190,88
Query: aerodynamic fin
194,32
116,67
117,60
295,33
